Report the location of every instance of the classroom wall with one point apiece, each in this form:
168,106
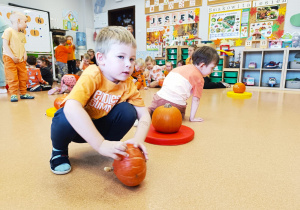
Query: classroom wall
292,8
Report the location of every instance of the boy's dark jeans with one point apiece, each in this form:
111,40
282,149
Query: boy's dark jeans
112,127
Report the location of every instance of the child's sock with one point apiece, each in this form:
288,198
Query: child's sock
61,167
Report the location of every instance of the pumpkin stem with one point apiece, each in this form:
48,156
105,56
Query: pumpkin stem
108,169
167,105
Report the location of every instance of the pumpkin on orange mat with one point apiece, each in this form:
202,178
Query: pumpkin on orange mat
59,100
166,119
131,170
239,87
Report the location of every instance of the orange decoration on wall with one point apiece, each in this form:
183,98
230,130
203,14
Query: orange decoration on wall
8,15
34,32
39,20
0,13
28,18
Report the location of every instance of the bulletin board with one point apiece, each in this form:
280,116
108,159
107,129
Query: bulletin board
210,2
38,30
232,24
172,26
153,6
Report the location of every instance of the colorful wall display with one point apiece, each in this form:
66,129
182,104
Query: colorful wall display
70,20
210,2
168,27
233,23
153,6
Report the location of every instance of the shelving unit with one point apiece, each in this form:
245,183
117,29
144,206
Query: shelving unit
261,74
172,54
292,73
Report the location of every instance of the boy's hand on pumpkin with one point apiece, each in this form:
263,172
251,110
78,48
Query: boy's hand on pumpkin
196,119
138,145
113,149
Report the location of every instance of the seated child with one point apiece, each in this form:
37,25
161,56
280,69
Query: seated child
155,72
180,63
103,105
46,69
186,80
168,68
77,66
34,76
68,81
138,72
85,62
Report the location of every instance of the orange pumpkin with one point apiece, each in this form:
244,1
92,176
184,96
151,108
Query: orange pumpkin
58,101
239,87
28,18
161,82
166,119
39,20
34,32
131,170
138,85
0,13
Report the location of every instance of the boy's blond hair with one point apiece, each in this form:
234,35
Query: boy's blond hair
168,62
16,15
113,35
86,56
149,58
62,40
140,62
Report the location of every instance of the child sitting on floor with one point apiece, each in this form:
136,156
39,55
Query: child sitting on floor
155,72
138,72
168,68
34,76
68,81
45,68
85,62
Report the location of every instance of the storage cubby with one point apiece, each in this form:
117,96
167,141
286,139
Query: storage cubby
251,74
292,77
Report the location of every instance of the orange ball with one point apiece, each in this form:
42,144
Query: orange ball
239,87
68,41
59,100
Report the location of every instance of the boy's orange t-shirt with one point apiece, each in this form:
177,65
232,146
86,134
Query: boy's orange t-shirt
61,53
99,95
71,56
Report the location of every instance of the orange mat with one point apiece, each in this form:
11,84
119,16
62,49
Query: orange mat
184,135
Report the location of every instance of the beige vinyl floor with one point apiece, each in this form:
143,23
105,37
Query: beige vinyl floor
245,155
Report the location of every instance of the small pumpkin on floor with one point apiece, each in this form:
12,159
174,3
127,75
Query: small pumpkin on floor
59,100
131,170
167,119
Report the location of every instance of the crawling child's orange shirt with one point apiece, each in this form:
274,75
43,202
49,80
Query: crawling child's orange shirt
139,74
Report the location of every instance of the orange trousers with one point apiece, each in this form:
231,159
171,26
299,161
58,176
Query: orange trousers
16,75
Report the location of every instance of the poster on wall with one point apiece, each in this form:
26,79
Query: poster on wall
265,28
225,25
70,20
267,13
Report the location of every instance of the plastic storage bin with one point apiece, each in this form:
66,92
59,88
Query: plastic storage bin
293,84
219,67
185,51
174,62
230,80
216,74
230,73
172,57
184,57
221,61
216,79
160,62
295,64
172,51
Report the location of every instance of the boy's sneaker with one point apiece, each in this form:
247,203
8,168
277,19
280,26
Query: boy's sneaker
14,98
26,96
59,162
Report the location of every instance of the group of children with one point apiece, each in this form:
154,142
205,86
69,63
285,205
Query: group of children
104,104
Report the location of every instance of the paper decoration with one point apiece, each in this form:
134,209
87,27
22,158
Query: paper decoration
264,28
253,11
279,33
275,27
217,41
224,41
229,7
231,43
197,19
282,11
175,33
147,4
151,8
181,4
176,27
166,2
167,19
197,11
268,2
174,18
148,18
161,7
191,16
171,5
280,19
156,2
238,42
191,36
192,3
